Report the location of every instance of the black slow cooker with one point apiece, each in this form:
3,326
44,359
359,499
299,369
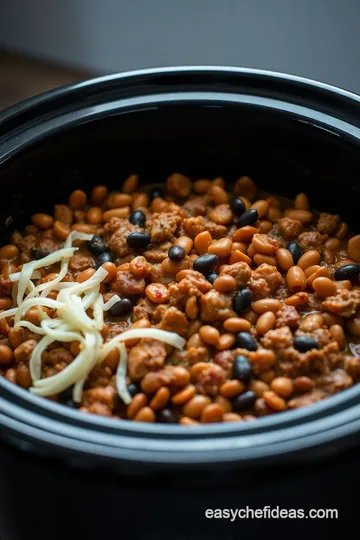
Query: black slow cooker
64,474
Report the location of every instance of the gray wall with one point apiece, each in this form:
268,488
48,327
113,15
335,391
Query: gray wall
313,38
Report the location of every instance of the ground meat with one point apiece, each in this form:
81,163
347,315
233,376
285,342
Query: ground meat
287,316
5,286
259,287
63,213
293,363
25,245
148,355
143,309
198,354
240,271
194,225
312,240
270,274
158,252
306,399
178,185
336,381
289,228
216,230
314,302
100,376
80,262
127,284
158,276
345,303
101,400
327,223
172,320
196,206
352,366
216,306
115,328
210,379
193,285
23,352
277,339
163,226
60,356
119,230
225,359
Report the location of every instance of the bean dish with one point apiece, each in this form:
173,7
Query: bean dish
186,303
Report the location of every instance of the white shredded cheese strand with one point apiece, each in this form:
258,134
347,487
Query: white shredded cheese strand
113,300
121,376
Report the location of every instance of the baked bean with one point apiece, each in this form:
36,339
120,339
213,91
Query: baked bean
262,207
332,243
144,415
266,304
6,354
158,205
259,387
85,275
139,266
191,308
236,324
304,216
202,242
311,270
251,316
262,360
195,341
232,417
140,200
320,272
120,213
5,303
342,231
284,259
94,215
194,326
75,348
184,395
98,195
125,267
226,341
221,214
209,335
259,259
222,248
268,376
275,402
312,322
265,322
8,269
15,337
196,369
303,384
330,319
301,202
265,226
160,399
224,403
264,244
111,360
246,187
131,184
218,195
186,421
353,326
10,375
310,258
354,248
77,199
224,284
111,270
324,287
83,227
141,323
337,334
328,256
182,376
240,246
296,280
219,181
239,256
244,234
185,242
194,407
61,231
138,402
33,315
171,267
274,214
157,293
23,377
251,251
42,221
282,386
273,201
232,388
202,186
9,252
212,413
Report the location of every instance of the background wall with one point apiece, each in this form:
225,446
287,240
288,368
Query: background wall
315,38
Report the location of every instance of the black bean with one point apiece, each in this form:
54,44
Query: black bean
248,218
96,245
166,416
244,401
103,258
138,240
244,340
40,253
156,192
176,253
242,300
238,206
138,218
122,308
205,263
133,389
295,251
241,368
212,276
305,343
71,403
349,271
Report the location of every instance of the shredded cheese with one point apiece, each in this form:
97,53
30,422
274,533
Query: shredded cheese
71,322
